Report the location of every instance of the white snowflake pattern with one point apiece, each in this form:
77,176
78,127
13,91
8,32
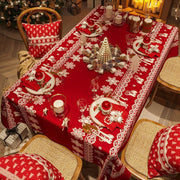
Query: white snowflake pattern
112,81
85,120
31,78
63,73
76,58
19,92
70,41
79,51
106,89
39,100
118,73
97,14
89,45
143,69
168,26
70,65
105,28
58,81
78,133
30,110
95,39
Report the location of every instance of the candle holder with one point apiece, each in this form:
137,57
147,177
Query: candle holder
58,104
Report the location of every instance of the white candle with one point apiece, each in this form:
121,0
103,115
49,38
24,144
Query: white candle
58,106
136,4
159,6
109,10
132,2
154,8
118,19
140,5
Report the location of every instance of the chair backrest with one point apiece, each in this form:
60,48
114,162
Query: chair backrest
135,154
26,15
62,158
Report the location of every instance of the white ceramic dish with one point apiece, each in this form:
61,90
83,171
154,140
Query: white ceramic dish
136,46
96,33
94,109
49,85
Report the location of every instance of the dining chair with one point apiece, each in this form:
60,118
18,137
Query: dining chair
29,14
39,37
136,153
168,78
62,158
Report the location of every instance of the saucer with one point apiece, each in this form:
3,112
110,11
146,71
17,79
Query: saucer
95,109
48,86
136,46
97,32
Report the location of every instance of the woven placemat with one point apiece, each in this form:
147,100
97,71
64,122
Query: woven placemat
170,72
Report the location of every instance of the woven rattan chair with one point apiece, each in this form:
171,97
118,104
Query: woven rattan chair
62,158
135,155
169,78
50,13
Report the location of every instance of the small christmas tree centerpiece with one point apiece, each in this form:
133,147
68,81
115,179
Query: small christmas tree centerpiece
104,53
104,58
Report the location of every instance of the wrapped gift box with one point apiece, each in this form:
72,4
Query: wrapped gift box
14,137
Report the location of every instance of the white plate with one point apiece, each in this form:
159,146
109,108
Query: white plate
96,33
93,112
49,85
136,46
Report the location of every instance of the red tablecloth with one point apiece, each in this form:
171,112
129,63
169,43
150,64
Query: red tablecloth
130,89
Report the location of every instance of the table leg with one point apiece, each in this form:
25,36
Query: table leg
102,2
153,95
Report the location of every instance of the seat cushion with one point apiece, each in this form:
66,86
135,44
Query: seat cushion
41,38
164,156
26,166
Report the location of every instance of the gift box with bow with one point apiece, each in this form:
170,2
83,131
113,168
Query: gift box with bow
13,137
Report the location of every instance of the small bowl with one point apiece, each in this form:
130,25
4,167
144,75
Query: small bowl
106,107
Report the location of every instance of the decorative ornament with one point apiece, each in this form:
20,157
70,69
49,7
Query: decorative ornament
38,3
8,24
116,116
104,54
105,58
15,2
45,110
65,123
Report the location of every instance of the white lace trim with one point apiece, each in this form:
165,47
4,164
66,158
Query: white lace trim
43,37
42,44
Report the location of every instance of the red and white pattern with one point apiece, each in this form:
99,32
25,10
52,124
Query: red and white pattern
130,89
27,166
164,156
42,37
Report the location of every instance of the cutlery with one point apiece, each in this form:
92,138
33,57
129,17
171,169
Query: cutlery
88,128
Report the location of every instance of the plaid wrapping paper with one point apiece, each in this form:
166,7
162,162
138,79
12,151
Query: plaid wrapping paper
14,137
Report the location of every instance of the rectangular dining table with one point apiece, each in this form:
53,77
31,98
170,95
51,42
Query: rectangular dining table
70,76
